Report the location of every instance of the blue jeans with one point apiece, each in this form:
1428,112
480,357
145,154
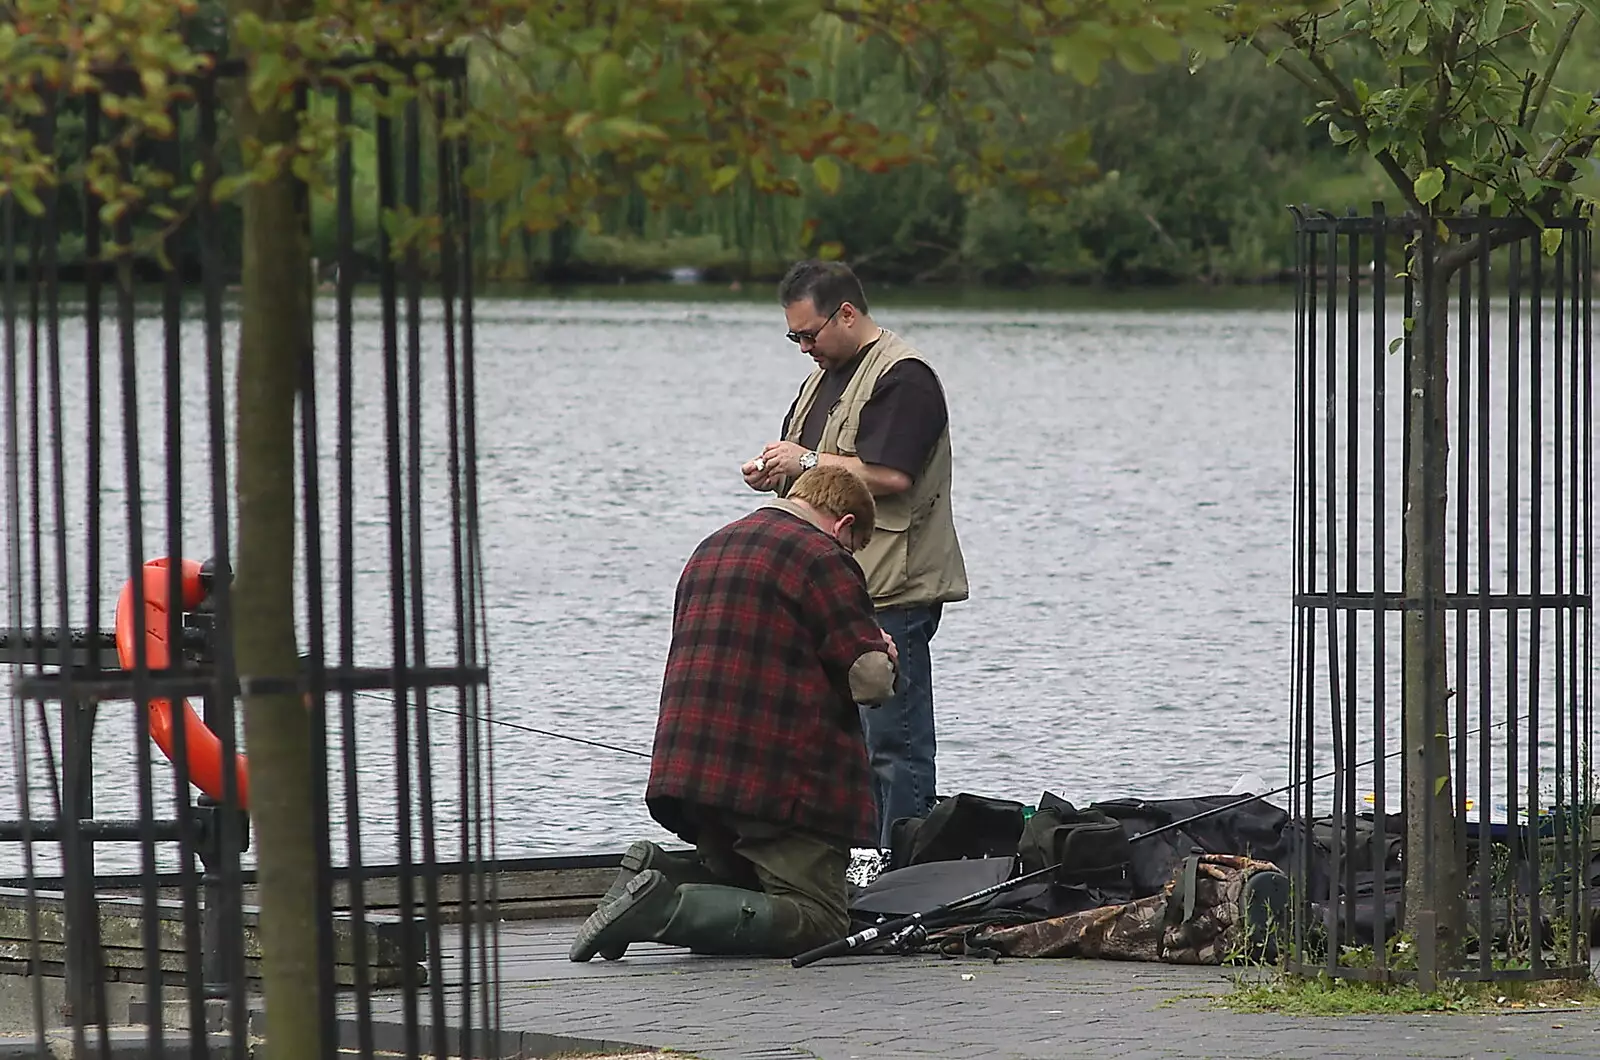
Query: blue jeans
900,730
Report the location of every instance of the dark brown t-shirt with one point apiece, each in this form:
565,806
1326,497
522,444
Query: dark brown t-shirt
899,423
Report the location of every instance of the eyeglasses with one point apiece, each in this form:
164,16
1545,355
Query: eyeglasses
811,336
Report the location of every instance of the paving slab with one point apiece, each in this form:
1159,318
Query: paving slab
926,1006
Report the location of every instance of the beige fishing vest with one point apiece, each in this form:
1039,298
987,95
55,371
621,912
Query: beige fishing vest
913,558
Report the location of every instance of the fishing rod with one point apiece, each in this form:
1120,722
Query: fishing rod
916,923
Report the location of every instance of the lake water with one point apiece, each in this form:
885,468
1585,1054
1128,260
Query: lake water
1123,493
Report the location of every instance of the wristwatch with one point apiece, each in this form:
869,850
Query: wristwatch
808,460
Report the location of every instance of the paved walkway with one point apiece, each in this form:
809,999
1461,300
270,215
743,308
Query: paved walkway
723,1009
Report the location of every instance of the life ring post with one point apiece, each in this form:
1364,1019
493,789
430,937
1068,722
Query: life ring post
203,750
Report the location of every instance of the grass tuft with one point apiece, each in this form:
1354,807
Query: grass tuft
1325,996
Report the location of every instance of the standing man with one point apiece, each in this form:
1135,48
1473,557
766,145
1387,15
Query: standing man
759,757
875,407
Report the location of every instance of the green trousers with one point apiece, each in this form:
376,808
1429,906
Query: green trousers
795,868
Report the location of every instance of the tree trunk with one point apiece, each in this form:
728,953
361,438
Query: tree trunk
274,332
1435,909
559,268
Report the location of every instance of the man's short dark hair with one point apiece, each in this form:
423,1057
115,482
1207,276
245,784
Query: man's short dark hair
827,284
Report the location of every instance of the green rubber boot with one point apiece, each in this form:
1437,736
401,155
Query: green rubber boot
642,855
706,918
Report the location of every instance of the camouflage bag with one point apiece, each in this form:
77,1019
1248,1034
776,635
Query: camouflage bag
1215,906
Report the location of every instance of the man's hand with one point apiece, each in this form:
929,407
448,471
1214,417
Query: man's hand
875,673
870,682
759,476
783,458
889,646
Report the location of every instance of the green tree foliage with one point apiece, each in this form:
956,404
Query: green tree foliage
675,99
1193,171
922,140
1173,176
1462,103
1157,174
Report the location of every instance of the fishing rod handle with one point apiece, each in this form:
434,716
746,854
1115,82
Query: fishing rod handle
872,934
845,945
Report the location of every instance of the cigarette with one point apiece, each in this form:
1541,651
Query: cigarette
761,465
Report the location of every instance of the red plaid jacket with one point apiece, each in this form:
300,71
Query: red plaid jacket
756,713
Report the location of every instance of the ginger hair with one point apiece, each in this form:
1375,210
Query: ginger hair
838,492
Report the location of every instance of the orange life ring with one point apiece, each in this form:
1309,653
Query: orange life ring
203,747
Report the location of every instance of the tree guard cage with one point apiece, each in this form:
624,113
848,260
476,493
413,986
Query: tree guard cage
128,895
1442,572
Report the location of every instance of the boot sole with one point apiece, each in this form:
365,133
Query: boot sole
639,855
635,860
640,889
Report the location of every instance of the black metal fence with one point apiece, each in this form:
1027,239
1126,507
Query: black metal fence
1443,600
119,405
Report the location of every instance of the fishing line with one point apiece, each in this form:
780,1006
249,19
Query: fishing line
641,754
1321,776
519,727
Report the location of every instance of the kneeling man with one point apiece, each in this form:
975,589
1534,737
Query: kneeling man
759,756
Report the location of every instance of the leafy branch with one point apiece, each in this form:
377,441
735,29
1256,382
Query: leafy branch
1345,103
1536,102
1463,117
